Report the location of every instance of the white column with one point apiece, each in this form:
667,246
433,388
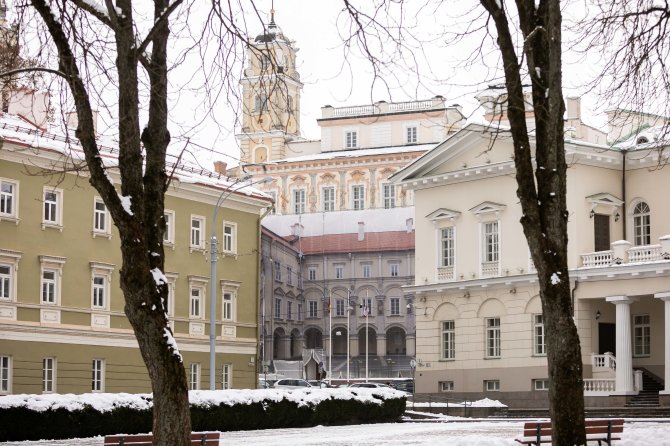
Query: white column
665,297
624,351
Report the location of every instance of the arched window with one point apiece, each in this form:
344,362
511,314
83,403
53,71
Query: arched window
642,224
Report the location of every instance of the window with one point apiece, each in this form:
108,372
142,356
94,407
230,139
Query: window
447,247
168,304
448,340
410,134
539,341
277,271
265,62
358,197
299,201
300,312
227,306
227,381
5,374
540,384
194,376
328,199
366,271
261,103
197,232
395,306
277,308
230,238
366,307
289,275
389,196
101,219
49,286
52,211
351,139
642,335
311,273
6,282
48,375
9,197
493,337
313,309
168,235
98,375
492,385
491,243
196,302
642,224
289,311
446,386
99,292
339,271
394,269
339,307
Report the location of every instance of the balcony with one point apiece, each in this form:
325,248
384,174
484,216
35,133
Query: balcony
623,252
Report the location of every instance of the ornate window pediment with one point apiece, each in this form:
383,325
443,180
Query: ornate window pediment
442,214
487,208
604,202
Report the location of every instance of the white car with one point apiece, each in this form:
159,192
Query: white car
292,383
370,385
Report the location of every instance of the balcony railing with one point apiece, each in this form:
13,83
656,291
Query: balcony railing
623,252
354,110
650,253
490,269
599,386
445,273
598,259
414,105
603,362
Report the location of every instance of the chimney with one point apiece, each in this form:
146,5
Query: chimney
72,120
410,224
361,231
574,107
32,105
220,167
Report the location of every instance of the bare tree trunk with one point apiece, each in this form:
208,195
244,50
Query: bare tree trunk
543,197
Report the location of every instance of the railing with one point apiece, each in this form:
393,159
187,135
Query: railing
415,105
445,273
490,269
355,110
598,259
600,386
650,253
606,361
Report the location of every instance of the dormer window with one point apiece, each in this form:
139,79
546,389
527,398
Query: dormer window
642,140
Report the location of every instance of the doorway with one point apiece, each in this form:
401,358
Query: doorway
606,338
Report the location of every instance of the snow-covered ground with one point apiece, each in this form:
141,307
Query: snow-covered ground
442,430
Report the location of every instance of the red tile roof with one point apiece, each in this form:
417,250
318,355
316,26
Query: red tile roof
373,241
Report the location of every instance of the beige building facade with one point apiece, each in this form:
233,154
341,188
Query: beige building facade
479,320
62,324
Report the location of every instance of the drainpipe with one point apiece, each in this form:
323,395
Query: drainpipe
573,297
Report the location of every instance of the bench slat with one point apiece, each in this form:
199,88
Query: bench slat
211,439
596,430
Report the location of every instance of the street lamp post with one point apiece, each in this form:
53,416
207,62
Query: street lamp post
213,260
349,308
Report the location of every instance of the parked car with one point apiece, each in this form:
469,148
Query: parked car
292,383
320,384
370,385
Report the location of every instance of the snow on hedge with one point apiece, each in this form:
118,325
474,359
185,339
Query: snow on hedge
105,402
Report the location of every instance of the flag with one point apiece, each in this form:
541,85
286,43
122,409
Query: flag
366,310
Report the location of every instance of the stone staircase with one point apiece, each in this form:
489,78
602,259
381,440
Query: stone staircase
648,396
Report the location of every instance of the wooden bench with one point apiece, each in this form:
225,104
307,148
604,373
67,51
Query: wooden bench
602,431
197,439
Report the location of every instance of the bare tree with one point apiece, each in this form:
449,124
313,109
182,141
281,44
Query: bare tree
528,40
116,54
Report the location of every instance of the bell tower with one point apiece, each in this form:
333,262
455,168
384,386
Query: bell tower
270,97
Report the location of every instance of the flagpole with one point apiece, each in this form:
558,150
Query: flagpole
367,334
348,315
330,336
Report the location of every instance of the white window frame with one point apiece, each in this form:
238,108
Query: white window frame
388,195
448,347
394,306
339,270
49,374
49,287
641,224
328,198
5,374
351,139
8,286
411,133
358,197
229,244
51,264
101,271
447,246
339,307
491,241
9,200
641,335
277,308
277,266
493,333
541,384
172,293
102,224
366,270
394,269
227,376
446,386
299,201
196,301
170,223
197,235
229,303
52,209
98,375
492,385
313,309
539,336
311,273
194,376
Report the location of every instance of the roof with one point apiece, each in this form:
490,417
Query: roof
343,243
356,153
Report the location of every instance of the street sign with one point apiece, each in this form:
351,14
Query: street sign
412,364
